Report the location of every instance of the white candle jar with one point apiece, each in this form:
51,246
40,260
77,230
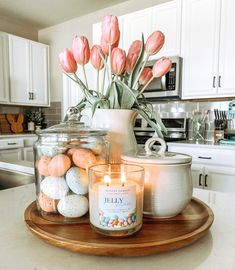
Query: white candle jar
168,180
116,199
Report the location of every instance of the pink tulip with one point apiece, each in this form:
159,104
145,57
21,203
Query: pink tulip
161,67
105,45
154,42
118,61
145,76
67,61
110,29
81,50
96,59
133,54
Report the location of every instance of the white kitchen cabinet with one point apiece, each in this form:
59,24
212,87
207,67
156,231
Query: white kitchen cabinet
208,48
4,68
11,154
212,167
28,154
167,18
28,62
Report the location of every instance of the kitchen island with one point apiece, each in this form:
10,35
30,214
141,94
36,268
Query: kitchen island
20,249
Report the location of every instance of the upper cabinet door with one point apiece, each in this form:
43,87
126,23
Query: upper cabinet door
200,40
19,70
134,24
226,81
4,68
39,81
167,18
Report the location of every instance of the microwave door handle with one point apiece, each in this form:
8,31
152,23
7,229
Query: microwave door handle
163,82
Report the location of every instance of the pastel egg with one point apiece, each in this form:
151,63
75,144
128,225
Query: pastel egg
83,158
71,151
52,151
43,165
77,180
59,165
46,203
54,187
73,206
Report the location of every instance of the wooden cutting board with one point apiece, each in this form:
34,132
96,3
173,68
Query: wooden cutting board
16,122
156,235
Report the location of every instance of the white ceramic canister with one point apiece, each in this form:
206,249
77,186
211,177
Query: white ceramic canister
168,180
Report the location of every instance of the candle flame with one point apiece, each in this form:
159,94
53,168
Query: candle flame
123,176
107,180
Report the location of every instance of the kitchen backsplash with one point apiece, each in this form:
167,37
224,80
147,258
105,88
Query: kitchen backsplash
52,114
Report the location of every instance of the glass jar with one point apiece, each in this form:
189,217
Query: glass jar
63,154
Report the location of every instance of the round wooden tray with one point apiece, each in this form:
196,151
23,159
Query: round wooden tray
156,235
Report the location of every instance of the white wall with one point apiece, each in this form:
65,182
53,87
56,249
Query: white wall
60,36
18,28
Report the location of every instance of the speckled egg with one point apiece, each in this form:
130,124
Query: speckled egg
52,151
77,180
46,203
54,187
43,165
73,206
59,165
84,158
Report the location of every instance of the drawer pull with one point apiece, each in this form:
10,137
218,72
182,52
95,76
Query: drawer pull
205,157
11,143
206,180
200,179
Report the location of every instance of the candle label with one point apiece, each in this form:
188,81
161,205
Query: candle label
117,206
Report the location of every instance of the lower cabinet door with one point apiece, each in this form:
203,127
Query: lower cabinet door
11,154
28,154
220,179
197,176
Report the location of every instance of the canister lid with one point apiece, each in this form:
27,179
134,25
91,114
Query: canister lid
156,157
71,128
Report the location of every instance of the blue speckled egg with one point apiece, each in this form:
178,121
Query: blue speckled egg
73,206
77,180
52,151
54,187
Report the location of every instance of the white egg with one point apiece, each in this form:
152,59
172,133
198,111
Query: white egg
77,180
54,187
52,151
73,206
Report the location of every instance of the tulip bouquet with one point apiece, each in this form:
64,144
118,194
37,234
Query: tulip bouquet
126,74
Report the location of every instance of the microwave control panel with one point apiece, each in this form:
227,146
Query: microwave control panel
170,78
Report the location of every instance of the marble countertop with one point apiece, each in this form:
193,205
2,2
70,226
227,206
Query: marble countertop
11,135
20,249
21,166
205,144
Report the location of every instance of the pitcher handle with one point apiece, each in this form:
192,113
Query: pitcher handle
149,143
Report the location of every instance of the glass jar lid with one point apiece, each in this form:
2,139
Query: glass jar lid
156,157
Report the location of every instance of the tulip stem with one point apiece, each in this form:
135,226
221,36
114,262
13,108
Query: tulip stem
84,73
142,90
104,73
143,65
97,81
110,63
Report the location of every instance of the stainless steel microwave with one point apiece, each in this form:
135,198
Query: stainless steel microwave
168,86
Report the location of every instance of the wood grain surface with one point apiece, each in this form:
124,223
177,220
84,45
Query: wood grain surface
156,235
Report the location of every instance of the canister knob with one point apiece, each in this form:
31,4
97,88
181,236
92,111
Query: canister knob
149,143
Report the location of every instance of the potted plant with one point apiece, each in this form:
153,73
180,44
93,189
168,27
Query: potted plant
116,106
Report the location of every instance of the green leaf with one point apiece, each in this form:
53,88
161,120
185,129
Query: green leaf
128,96
134,73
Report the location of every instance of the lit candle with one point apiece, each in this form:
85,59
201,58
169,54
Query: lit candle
116,200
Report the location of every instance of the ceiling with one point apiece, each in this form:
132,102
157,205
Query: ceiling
45,13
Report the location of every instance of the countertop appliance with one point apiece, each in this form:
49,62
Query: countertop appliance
175,123
168,86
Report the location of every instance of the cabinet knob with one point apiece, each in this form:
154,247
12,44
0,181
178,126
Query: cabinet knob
32,95
200,179
29,95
